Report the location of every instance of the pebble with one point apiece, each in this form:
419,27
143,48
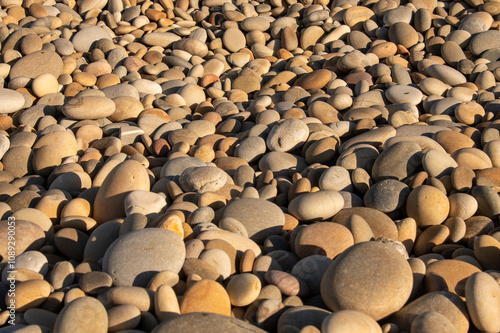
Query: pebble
259,217
427,205
141,263
364,260
206,296
344,321
13,101
109,201
84,312
316,206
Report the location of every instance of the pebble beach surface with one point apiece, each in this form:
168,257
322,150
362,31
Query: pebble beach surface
250,166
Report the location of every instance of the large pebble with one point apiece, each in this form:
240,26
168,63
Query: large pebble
206,296
202,179
85,314
427,205
206,322
12,101
126,177
483,301
260,218
383,281
131,263
319,205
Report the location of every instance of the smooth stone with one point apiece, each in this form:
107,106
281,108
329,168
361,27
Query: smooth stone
33,238
486,248
404,34
202,179
138,266
84,314
86,38
280,163
446,74
100,240
147,203
64,142
302,316
243,289
323,238
317,79
71,242
430,321
206,296
482,298
484,41
375,137
29,65
336,178
126,177
123,317
393,284
398,161
404,94
319,205
311,270
287,135
345,321
233,39
260,218
386,195
18,161
240,243
449,275
219,260
380,224
446,303
12,101
94,283
139,297
438,163
427,205
206,322
163,39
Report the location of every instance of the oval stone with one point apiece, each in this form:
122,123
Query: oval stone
260,218
84,314
126,177
134,258
383,282
319,205
88,107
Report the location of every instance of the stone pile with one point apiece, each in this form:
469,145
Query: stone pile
250,165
